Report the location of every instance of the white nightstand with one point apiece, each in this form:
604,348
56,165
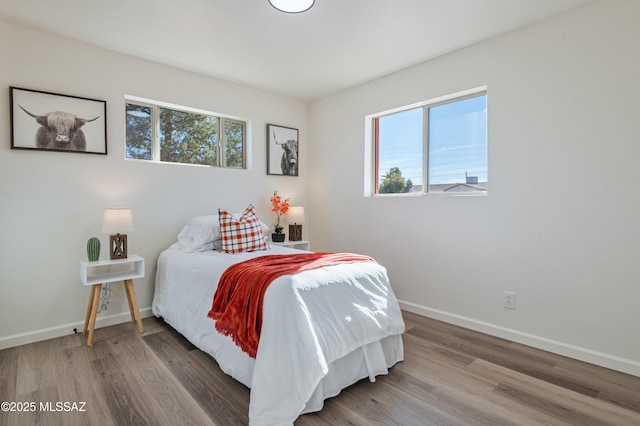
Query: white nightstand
300,245
100,272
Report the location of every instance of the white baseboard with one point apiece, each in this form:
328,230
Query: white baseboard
66,329
598,358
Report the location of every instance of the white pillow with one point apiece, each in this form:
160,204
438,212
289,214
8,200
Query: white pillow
202,233
199,233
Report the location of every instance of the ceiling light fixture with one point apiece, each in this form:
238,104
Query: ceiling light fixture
292,6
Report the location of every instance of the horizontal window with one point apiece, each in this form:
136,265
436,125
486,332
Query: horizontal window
437,146
173,134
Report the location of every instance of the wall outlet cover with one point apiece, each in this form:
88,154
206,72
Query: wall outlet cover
509,300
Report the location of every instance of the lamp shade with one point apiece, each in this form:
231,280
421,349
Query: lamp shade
292,6
295,214
117,221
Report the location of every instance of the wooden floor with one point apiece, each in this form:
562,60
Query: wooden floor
450,376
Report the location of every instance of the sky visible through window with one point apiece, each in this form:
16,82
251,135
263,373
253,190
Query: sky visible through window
457,142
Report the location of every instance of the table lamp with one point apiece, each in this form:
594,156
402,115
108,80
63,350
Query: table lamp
116,222
295,216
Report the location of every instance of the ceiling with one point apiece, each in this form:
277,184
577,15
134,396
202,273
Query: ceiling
336,45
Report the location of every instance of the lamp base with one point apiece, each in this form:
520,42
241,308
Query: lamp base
118,246
295,232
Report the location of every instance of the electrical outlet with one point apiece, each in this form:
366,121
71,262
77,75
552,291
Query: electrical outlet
509,300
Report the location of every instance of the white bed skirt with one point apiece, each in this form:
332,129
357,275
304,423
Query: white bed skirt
369,361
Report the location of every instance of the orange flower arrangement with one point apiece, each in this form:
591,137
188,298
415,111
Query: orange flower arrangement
280,207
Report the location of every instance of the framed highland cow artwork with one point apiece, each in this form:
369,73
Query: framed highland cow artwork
52,122
282,150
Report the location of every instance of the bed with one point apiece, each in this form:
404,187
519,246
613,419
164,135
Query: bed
322,329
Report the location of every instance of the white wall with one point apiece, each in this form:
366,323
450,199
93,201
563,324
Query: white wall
558,226
560,223
51,203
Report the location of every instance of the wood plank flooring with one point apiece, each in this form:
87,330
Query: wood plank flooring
450,376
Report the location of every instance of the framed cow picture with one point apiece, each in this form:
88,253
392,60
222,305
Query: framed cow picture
282,150
53,122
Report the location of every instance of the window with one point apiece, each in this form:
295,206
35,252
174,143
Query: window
173,134
437,146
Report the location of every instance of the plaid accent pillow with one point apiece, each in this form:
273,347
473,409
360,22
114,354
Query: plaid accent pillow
244,234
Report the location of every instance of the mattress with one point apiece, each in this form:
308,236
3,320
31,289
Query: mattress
323,329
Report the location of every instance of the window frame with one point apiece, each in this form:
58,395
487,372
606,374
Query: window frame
221,159
372,155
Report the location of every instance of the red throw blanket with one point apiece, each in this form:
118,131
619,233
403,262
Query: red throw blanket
237,303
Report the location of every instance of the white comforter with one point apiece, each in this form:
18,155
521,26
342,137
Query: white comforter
310,320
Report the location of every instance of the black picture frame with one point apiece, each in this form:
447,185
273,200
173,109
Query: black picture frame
282,150
45,121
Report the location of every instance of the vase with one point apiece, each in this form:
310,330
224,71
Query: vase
93,249
277,238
